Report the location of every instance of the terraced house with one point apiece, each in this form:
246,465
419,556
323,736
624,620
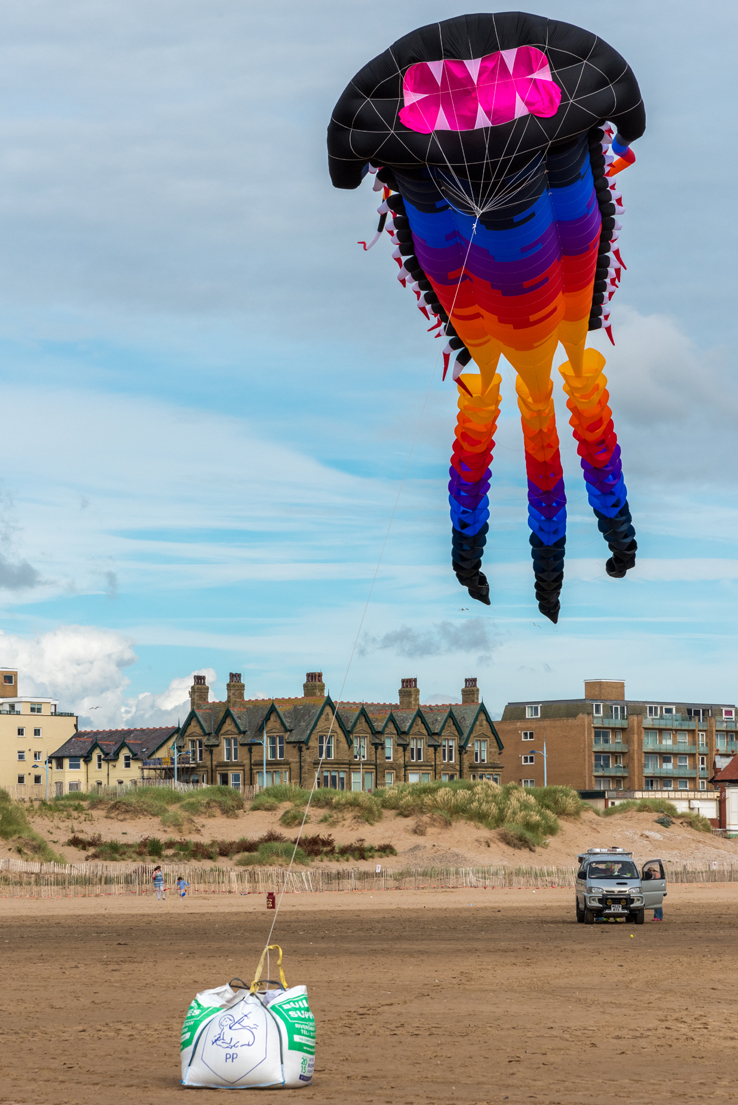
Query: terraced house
96,758
353,745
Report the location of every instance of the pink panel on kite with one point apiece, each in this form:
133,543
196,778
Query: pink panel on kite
482,92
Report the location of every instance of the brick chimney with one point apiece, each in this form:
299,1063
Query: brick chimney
409,694
234,691
470,692
199,692
314,687
8,683
604,689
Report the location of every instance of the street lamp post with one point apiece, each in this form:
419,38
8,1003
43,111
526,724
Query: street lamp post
535,752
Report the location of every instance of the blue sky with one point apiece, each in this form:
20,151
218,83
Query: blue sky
210,393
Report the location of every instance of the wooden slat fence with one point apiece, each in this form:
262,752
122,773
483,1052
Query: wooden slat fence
28,879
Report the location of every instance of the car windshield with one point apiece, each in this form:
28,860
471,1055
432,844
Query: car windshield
612,869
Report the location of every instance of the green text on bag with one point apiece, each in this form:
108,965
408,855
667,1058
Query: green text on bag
299,1021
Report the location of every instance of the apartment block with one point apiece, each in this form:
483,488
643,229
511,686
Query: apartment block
31,727
607,742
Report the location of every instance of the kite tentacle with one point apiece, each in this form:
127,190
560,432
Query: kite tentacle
546,495
479,408
597,445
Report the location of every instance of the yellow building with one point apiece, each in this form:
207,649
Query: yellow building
30,729
96,758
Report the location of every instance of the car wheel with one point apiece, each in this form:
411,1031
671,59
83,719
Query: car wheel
640,917
589,917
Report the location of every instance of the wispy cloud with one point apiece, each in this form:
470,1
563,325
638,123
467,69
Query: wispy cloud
474,635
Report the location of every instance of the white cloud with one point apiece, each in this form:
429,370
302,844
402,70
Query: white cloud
83,667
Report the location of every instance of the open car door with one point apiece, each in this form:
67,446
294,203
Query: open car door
653,884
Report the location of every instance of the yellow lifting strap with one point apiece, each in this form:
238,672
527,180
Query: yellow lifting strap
257,976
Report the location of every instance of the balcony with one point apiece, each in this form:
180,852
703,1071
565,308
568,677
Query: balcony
672,746
620,770
704,772
671,772
671,721
610,722
613,746
725,723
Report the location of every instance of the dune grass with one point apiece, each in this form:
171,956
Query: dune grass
15,827
529,816
660,805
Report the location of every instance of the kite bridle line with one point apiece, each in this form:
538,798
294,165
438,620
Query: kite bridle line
364,611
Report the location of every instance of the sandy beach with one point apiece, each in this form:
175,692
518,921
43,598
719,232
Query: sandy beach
419,996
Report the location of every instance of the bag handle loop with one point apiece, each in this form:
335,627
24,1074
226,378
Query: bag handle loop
257,977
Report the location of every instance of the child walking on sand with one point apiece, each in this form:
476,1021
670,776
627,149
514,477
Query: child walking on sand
182,887
158,880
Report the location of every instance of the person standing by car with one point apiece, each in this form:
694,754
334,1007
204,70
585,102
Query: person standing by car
652,870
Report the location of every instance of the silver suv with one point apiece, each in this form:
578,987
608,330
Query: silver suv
609,884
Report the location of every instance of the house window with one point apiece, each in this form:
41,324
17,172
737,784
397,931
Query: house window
683,784
223,779
196,750
667,784
529,759
654,711
21,754
529,782
416,749
336,780
126,761
21,731
667,761
389,778
720,741
682,761
99,761
601,737
8,680
448,751
617,711
74,763
276,746
325,747
682,738
528,735
356,780
650,763
74,787
602,760
703,739
597,709
37,732
703,784
388,749
533,711
446,778
618,761
359,750
236,780
38,756
60,765
21,779
649,784
666,738
728,714
703,761
668,711
230,747
480,752
35,707
37,779
418,776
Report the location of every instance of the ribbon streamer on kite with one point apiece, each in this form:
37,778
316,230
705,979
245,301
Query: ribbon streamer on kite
491,136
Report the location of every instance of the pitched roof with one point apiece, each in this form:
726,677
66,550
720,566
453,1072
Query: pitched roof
728,774
141,742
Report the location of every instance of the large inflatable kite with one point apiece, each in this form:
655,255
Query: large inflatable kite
492,138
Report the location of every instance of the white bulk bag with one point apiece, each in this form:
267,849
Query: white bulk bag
235,1038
